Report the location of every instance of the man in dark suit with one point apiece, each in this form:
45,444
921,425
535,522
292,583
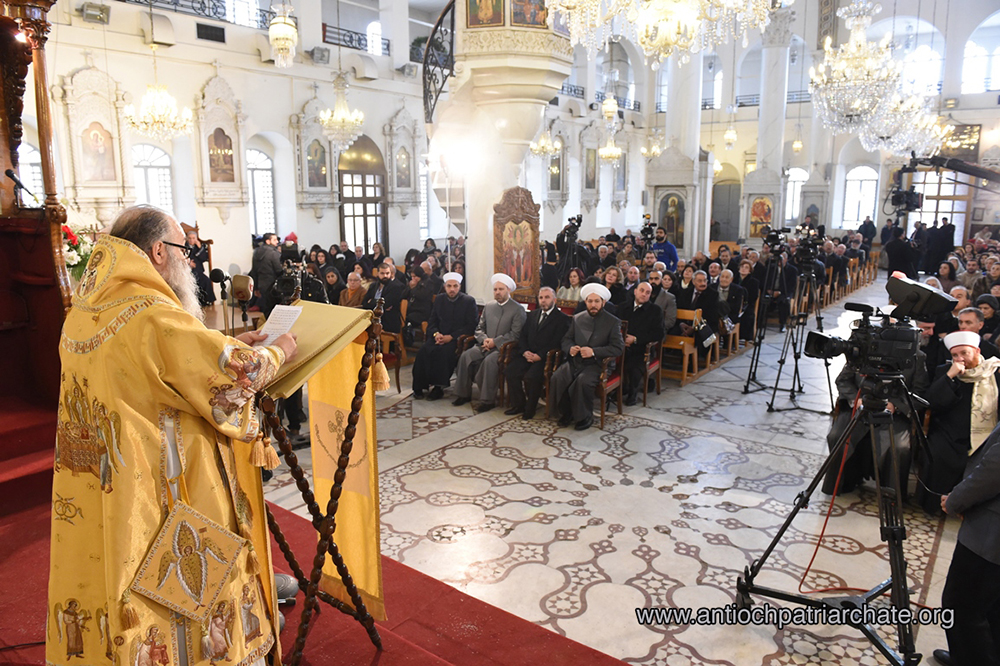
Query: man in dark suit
782,289
542,332
453,315
266,268
645,325
900,254
663,299
972,589
727,260
593,336
703,298
389,289
732,297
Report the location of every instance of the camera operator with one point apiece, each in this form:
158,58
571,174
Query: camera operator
567,236
858,464
664,249
963,407
900,254
265,269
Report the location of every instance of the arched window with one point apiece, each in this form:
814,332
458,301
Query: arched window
29,169
975,68
662,89
260,176
793,194
375,38
922,71
860,196
151,173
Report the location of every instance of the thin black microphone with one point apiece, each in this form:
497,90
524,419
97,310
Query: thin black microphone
17,181
219,276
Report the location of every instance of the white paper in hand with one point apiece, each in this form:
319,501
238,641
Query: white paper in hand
280,322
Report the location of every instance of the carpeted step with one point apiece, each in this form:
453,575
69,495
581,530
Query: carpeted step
25,428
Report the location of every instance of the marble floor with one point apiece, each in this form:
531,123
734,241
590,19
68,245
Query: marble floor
663,507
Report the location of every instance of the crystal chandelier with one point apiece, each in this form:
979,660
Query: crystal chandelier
797,142
341,125
610,152
891,119
157,117
856,77
654,145
662,27
546,145
730,136
283,35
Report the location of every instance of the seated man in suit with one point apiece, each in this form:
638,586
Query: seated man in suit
703,298
645,325
663,299
714,271
453,314
593,336
543,331
732,297
391,290
499,324
727,260
971,319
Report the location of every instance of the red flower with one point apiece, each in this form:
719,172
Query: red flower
70,236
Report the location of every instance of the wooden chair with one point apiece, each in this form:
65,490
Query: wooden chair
828,288
689,357
611,380
205,241
506,350
654,361
854,271
393,349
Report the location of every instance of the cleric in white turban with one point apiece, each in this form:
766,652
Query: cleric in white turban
499,324
593,336
448,277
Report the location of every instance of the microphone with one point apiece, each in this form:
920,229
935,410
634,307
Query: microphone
17,181
242,288
219,276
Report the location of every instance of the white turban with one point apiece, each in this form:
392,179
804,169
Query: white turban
503,279
593,288
457,277
959,338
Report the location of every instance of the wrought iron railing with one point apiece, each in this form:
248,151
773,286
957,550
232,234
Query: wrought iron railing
350,39
661,107
708,103
623,102
570,90
238,12
439,59
794,97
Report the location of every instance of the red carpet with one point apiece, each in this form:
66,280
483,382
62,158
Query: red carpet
429,622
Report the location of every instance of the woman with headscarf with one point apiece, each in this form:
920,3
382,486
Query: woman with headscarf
334,284
354,295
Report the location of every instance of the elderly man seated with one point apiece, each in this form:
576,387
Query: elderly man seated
645,325
963,406
542,332
499,324
453,314
593,336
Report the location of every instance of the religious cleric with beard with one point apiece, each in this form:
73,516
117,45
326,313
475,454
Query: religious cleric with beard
156,414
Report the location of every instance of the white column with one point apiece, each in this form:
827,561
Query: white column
774,91
684,112
394,15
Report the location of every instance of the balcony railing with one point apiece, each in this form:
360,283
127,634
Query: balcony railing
569,90
793,97
350,39
661,107
238,12
623,102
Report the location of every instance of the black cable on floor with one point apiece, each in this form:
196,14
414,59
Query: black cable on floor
21,645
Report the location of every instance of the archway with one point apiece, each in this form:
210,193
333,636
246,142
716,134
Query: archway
363,219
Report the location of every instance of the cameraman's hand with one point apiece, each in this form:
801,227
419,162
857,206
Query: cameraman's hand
287,344
956,369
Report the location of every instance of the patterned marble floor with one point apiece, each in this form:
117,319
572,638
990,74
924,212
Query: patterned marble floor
664,507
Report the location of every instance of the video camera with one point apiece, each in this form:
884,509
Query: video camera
904,201
648,230
293,278
886,347
807,250
775,239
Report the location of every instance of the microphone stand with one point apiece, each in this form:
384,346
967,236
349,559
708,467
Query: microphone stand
246,319
225,318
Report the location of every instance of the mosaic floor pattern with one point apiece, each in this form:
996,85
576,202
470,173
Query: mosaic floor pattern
664,507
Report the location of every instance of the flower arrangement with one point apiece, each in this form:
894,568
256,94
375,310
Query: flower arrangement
76,250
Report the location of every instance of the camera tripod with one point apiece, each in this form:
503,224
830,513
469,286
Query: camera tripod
763,305
806,287
875,391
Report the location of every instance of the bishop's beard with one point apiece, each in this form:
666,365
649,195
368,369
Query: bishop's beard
185,287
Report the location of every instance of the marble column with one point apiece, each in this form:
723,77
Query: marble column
774,91
394,15
684,110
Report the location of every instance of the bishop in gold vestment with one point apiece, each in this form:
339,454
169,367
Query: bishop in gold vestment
156,413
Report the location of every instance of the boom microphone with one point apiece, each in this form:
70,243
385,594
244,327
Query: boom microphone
219,276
